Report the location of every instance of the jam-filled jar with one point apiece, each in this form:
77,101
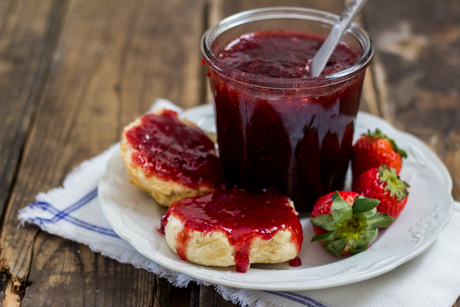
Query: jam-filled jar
277,126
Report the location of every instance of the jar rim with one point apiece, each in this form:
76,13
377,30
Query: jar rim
286,13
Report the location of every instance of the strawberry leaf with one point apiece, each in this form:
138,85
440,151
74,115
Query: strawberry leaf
336,247
351,228
324,221
340,209
379,134
326,237
366,215
359,245
363,204
370,235
394,184
379,220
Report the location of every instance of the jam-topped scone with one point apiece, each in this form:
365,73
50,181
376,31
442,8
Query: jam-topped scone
224,228
170,158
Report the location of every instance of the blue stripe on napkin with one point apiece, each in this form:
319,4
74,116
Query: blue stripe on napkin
298,298
64,215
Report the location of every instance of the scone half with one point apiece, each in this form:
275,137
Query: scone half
169,158
219,229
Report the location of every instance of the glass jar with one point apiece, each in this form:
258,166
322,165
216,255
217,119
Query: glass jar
292,134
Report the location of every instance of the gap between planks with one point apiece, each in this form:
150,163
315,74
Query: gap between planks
26,270
16,285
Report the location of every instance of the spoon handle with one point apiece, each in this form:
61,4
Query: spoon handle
337,32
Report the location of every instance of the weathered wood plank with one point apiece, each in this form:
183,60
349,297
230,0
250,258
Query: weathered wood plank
26,49
210,297
12,294
65,273
114,59
418,71
179,297
4,280
195,295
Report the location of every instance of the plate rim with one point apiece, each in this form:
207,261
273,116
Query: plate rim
447,191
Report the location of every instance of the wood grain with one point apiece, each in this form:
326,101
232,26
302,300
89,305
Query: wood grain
4,281
26,49
418,71
66,273
114,59
210,297
194,295
12,294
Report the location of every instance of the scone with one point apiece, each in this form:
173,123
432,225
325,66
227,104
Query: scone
170,159
224,228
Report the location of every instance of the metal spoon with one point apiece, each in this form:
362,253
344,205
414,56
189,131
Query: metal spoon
337,32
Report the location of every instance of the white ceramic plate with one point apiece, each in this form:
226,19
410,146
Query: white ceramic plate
135,217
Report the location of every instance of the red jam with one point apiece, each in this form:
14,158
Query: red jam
282,54
298,140
242,216
296,262
174,151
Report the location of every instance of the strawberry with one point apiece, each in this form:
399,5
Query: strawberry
385,185
374,149
346,222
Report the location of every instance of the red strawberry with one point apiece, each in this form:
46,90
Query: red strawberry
383,184
346,222
374,149
324,203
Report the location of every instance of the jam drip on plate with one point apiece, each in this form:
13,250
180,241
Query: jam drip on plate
295,262
171,150
240,215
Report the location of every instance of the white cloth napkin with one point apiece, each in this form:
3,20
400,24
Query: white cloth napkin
73,212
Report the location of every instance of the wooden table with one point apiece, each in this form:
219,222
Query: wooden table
74,72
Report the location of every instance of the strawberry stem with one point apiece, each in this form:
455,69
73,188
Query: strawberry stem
394,184
380,135
351,227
